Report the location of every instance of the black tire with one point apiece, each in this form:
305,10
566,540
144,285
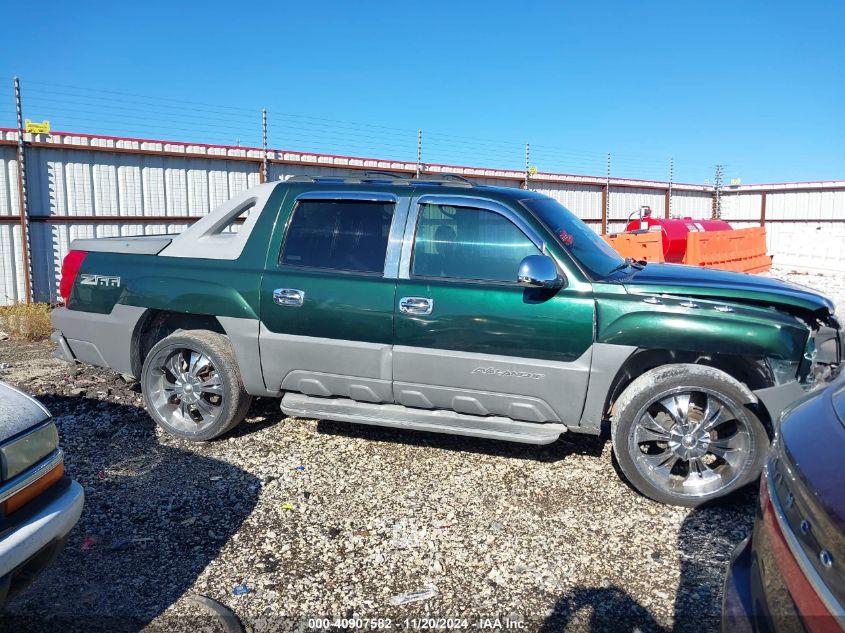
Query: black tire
192,385
666,447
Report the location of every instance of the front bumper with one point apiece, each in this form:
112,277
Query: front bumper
28,545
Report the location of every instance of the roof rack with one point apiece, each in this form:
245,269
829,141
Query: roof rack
450,178
372,176
387,177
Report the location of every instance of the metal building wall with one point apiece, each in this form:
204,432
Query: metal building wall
693,204
71,185
83,186
11,254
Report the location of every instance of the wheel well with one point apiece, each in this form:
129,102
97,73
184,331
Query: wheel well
752,371
157,324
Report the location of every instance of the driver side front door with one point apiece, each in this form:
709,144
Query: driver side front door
467,336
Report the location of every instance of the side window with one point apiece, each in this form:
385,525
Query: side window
347,235
468,243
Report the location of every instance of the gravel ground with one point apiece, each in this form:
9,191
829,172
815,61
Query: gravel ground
324,519
335,520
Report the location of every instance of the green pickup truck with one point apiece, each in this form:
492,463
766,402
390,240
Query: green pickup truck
441,306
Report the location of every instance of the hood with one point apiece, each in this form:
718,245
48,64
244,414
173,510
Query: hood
692,281
18,412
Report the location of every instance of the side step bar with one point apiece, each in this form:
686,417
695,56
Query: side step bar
437,421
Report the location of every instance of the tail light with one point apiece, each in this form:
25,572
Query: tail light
70,267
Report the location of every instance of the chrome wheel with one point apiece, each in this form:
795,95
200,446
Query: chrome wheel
185,389
691,442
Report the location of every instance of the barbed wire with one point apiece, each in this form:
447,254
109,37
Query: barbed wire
75,108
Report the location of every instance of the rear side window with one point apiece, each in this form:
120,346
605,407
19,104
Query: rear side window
468,243
348,235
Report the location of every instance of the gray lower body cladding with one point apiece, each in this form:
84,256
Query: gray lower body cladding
104,340
438,421
525,389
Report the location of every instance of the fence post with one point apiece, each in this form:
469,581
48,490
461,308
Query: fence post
763,209
23,207
527,165
605,199
263,173
717,193
419,153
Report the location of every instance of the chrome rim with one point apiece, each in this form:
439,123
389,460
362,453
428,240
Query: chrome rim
690,442
185,389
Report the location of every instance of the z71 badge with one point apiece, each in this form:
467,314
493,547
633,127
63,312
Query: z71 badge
99,280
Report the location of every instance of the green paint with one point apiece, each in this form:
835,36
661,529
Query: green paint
487,318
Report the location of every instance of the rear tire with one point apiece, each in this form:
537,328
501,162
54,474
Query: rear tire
682,435
192,385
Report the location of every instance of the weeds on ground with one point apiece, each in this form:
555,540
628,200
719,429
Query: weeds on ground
30,322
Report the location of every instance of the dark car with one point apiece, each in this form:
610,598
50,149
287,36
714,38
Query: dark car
790,574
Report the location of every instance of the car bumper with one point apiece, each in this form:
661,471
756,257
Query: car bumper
737,605
104,340
29,545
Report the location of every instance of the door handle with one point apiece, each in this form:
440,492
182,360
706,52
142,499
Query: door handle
288,296
416,305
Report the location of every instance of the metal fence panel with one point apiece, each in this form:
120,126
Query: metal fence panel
693,204
175,180
741,206
810,205
96,183
625,201
11,264
583,200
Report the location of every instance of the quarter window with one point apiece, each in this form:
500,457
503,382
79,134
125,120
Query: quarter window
468,243
348,235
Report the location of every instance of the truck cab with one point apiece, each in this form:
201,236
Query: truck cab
443,306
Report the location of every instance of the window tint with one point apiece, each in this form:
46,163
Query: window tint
340,235
465,243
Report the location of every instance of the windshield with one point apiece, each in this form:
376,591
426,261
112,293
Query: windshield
591,251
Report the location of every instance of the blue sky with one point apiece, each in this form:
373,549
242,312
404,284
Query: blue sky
759,86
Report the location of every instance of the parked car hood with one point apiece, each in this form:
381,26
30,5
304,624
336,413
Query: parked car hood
18,412
676,279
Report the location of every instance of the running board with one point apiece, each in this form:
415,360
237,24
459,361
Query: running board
433,420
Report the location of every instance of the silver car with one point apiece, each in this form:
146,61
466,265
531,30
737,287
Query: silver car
39,504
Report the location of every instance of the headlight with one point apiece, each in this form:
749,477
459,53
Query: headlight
783,370
27,450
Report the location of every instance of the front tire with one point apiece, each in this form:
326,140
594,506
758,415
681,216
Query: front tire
682,435
192,385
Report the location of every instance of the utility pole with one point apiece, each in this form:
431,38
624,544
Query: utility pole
23,207
527,164
419,153
717,189
265,163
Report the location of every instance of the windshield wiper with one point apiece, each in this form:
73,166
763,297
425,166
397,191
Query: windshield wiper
629,262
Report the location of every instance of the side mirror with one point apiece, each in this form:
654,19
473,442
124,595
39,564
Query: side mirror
539,271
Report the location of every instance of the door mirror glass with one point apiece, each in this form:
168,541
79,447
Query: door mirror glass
539,271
